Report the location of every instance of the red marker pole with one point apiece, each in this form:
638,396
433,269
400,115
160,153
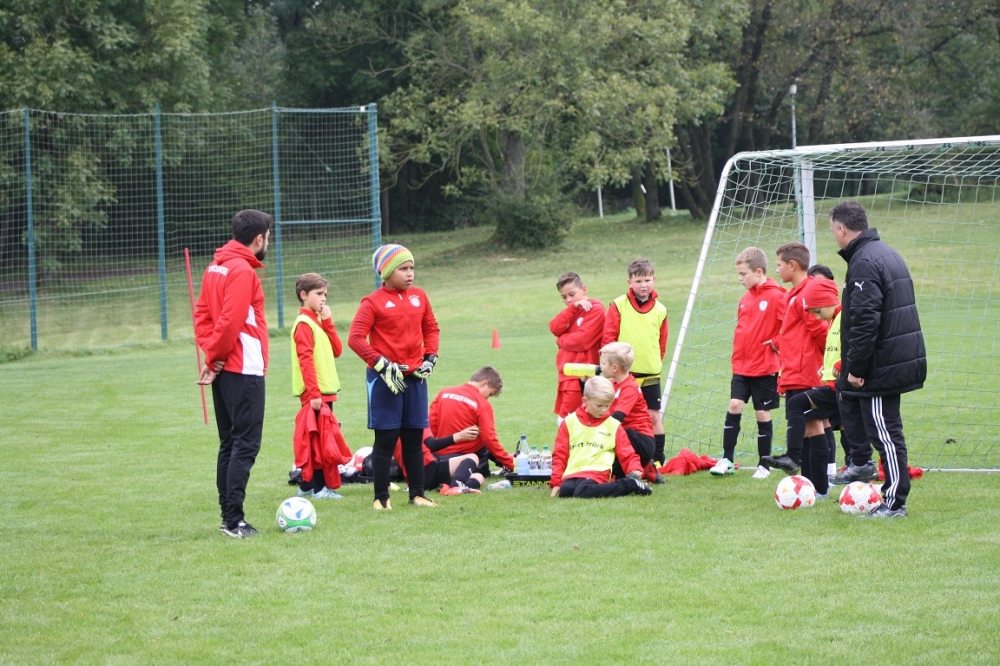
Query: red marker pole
197,352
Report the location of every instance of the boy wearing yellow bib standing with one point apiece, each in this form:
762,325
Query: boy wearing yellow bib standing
315,346
586,446
640,320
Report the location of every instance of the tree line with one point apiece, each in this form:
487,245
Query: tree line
529,102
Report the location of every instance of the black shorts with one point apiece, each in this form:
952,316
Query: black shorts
436,474
826,402
650,387
763,390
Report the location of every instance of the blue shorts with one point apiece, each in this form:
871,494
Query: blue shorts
389,411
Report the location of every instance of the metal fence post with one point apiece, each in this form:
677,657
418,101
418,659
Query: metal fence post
160,242
277,216
32,276
376,192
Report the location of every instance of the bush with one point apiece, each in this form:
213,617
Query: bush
535,222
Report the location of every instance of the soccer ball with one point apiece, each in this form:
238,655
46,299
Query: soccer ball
296,514
859,497
794,492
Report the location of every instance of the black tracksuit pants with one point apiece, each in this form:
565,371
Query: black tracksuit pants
876,420
239,415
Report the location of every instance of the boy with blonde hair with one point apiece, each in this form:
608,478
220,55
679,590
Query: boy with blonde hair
755,363
638,318
315,346
586,446
629,406
578,328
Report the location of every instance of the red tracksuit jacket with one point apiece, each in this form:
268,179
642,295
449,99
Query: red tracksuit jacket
629,400
578,335
800,343
758,319
458,407
229,323
399,325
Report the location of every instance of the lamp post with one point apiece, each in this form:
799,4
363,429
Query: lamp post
792,89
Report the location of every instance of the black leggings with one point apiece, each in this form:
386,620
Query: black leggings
413,460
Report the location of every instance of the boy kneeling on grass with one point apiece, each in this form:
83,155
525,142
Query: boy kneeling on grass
586,446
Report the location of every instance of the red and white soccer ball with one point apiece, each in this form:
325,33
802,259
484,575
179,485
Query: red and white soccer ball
859,497
795,492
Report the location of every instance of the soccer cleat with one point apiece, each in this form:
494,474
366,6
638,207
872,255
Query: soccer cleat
761,473
466,490
659,478
303,493
447,490
883,511
853,472
784,463
328,493
420,500
641,487
820,496
242,530
723,467
382,505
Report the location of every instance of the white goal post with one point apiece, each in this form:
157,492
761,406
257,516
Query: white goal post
937,202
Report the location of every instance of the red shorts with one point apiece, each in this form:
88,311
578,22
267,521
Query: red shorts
568,399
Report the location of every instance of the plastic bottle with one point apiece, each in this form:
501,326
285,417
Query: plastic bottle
546,461
521,459
499,485
534,462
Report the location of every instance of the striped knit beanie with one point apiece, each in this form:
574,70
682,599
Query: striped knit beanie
388,258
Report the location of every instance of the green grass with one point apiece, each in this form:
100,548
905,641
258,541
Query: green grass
111,552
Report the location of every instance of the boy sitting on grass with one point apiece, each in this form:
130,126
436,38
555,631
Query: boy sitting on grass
586,446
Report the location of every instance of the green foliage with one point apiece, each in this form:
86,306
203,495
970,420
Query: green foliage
536,222
10,354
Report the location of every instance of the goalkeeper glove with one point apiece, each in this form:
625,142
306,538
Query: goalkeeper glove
635,474
391,373
426,367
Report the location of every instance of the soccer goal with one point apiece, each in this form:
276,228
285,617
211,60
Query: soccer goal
937,202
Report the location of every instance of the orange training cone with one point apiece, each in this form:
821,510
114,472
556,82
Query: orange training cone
496,339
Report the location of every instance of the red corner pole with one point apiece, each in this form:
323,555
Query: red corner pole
197,352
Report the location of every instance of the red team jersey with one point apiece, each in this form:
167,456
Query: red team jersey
630,401
458,407
399,325
800,343
578,335
758,319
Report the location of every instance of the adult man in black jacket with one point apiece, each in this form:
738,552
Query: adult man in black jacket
882,354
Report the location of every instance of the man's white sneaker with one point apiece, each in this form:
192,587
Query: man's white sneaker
724,466
762,472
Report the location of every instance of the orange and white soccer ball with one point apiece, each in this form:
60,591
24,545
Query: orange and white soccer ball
859,497
795,492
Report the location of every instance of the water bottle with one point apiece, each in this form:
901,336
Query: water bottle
534,462
546,461
521,459
499,485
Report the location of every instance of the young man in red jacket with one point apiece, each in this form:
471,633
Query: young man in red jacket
230,328
586,447
755,363
394,331
457,408
801,341
578,328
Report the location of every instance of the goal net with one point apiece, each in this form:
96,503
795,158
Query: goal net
96,212
937,202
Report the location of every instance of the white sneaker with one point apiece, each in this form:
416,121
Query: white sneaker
761,473
724,466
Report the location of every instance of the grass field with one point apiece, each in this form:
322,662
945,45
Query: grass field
111,552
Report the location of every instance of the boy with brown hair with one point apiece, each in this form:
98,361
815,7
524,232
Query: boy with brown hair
638,318
755,363
802,339
586,447
578,329
315,346
457,408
